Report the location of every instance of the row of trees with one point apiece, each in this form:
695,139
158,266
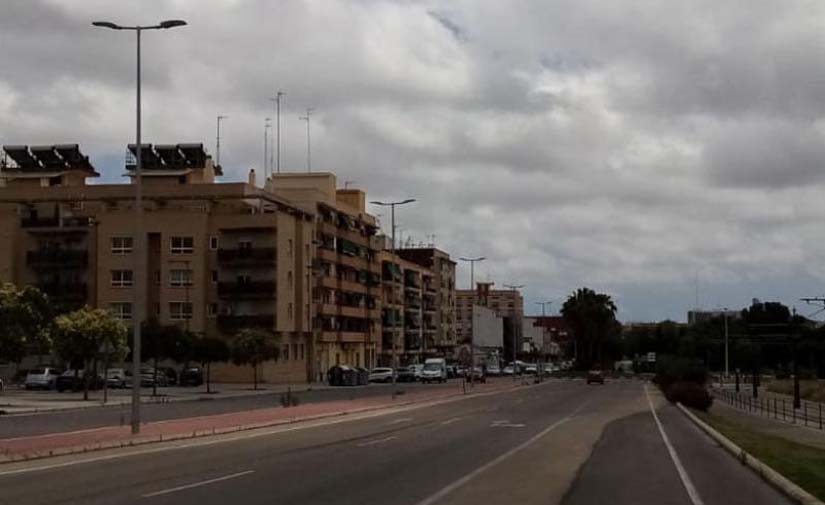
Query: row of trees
82,338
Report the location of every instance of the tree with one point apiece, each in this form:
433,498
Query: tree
253,346
26,321
160,341
208,350
79,336
591,317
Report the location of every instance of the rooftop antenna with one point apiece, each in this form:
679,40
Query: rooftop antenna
267,128
218,141
309,150
347,183
277,100
696,286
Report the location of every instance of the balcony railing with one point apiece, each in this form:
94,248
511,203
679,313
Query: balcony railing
232,323
251,289
60,258
247,256
74,223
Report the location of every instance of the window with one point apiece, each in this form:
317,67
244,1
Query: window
302,351
289,247
213,242
212,310
122,278
122,245
286,352
121,310
294,351
180,278
245,245
289,311
182,245
179,311
289,280
215,276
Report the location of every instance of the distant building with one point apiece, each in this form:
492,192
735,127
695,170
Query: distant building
508,304
697,316
488,329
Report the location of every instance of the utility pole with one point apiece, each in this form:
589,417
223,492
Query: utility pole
277,100
516,324
727,348
218,141
309,148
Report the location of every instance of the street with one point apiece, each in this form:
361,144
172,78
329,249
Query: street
558,442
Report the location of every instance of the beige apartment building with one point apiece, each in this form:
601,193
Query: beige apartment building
506,303
218,256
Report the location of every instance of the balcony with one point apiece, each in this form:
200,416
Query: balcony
232,323
245,256
246,290
57,258
68,292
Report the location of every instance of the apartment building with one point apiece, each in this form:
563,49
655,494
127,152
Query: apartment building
345,271
506,303
439,292
218,256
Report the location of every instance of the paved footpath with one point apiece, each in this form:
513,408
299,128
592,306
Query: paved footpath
50,444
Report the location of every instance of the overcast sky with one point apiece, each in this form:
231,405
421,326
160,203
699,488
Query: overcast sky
633,147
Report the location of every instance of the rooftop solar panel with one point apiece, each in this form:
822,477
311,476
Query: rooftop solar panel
73,157
194,153
149,159
48,157
171,156
22,157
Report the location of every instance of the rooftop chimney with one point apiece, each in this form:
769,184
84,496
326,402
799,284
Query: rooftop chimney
251,176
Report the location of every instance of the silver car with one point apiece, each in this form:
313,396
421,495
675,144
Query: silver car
42,378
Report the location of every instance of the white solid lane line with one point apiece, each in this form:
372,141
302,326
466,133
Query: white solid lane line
198,484
470,476
693,494
451,421
402,420
376,441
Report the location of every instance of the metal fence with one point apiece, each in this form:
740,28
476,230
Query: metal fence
809,414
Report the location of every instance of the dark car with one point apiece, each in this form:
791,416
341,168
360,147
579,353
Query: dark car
171,375
477,375
192,376
72,380
595,377
405,374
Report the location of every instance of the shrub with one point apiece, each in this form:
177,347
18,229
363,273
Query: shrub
670,370
689,394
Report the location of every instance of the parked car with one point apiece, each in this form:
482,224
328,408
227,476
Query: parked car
117,378
149,378
416,368
477,375
72,380
171,375
530,368
435,370
381,374
595,377
42,378
19,378
452,371
508,370
2,385
405,374
493,370
192,376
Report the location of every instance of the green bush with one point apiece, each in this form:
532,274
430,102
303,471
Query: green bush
670,370
689,394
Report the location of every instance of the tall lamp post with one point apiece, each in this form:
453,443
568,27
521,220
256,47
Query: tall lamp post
218,140
472,262
139,256
391,205
516,324
543,322
277,100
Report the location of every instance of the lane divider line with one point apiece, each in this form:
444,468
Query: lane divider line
376,441
451,421
693,494
198,484
430,500
402,420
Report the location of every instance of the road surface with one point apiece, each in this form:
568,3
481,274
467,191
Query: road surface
559,442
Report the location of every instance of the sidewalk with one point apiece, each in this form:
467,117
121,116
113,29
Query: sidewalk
31,447
21,401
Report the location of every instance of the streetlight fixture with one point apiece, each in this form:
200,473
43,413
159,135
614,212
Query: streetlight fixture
138,242
218,140
516,324
391,205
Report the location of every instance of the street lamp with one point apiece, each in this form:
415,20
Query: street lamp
516,324
472,262
139,256
218,140
391,205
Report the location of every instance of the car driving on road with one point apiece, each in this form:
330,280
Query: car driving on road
595,377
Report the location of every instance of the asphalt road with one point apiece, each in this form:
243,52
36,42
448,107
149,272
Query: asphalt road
524,446
81,419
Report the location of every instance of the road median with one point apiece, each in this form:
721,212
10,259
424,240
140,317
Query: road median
113,437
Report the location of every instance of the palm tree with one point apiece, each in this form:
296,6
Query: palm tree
592,318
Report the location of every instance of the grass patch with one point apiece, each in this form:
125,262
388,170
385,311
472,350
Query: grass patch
802,464
812,390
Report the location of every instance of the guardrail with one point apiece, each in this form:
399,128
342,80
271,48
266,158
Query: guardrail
809,414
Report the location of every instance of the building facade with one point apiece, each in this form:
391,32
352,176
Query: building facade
508,304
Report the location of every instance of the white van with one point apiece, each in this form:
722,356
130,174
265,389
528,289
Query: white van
435,370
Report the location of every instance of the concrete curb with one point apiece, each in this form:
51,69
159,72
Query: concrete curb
767,473
152,439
